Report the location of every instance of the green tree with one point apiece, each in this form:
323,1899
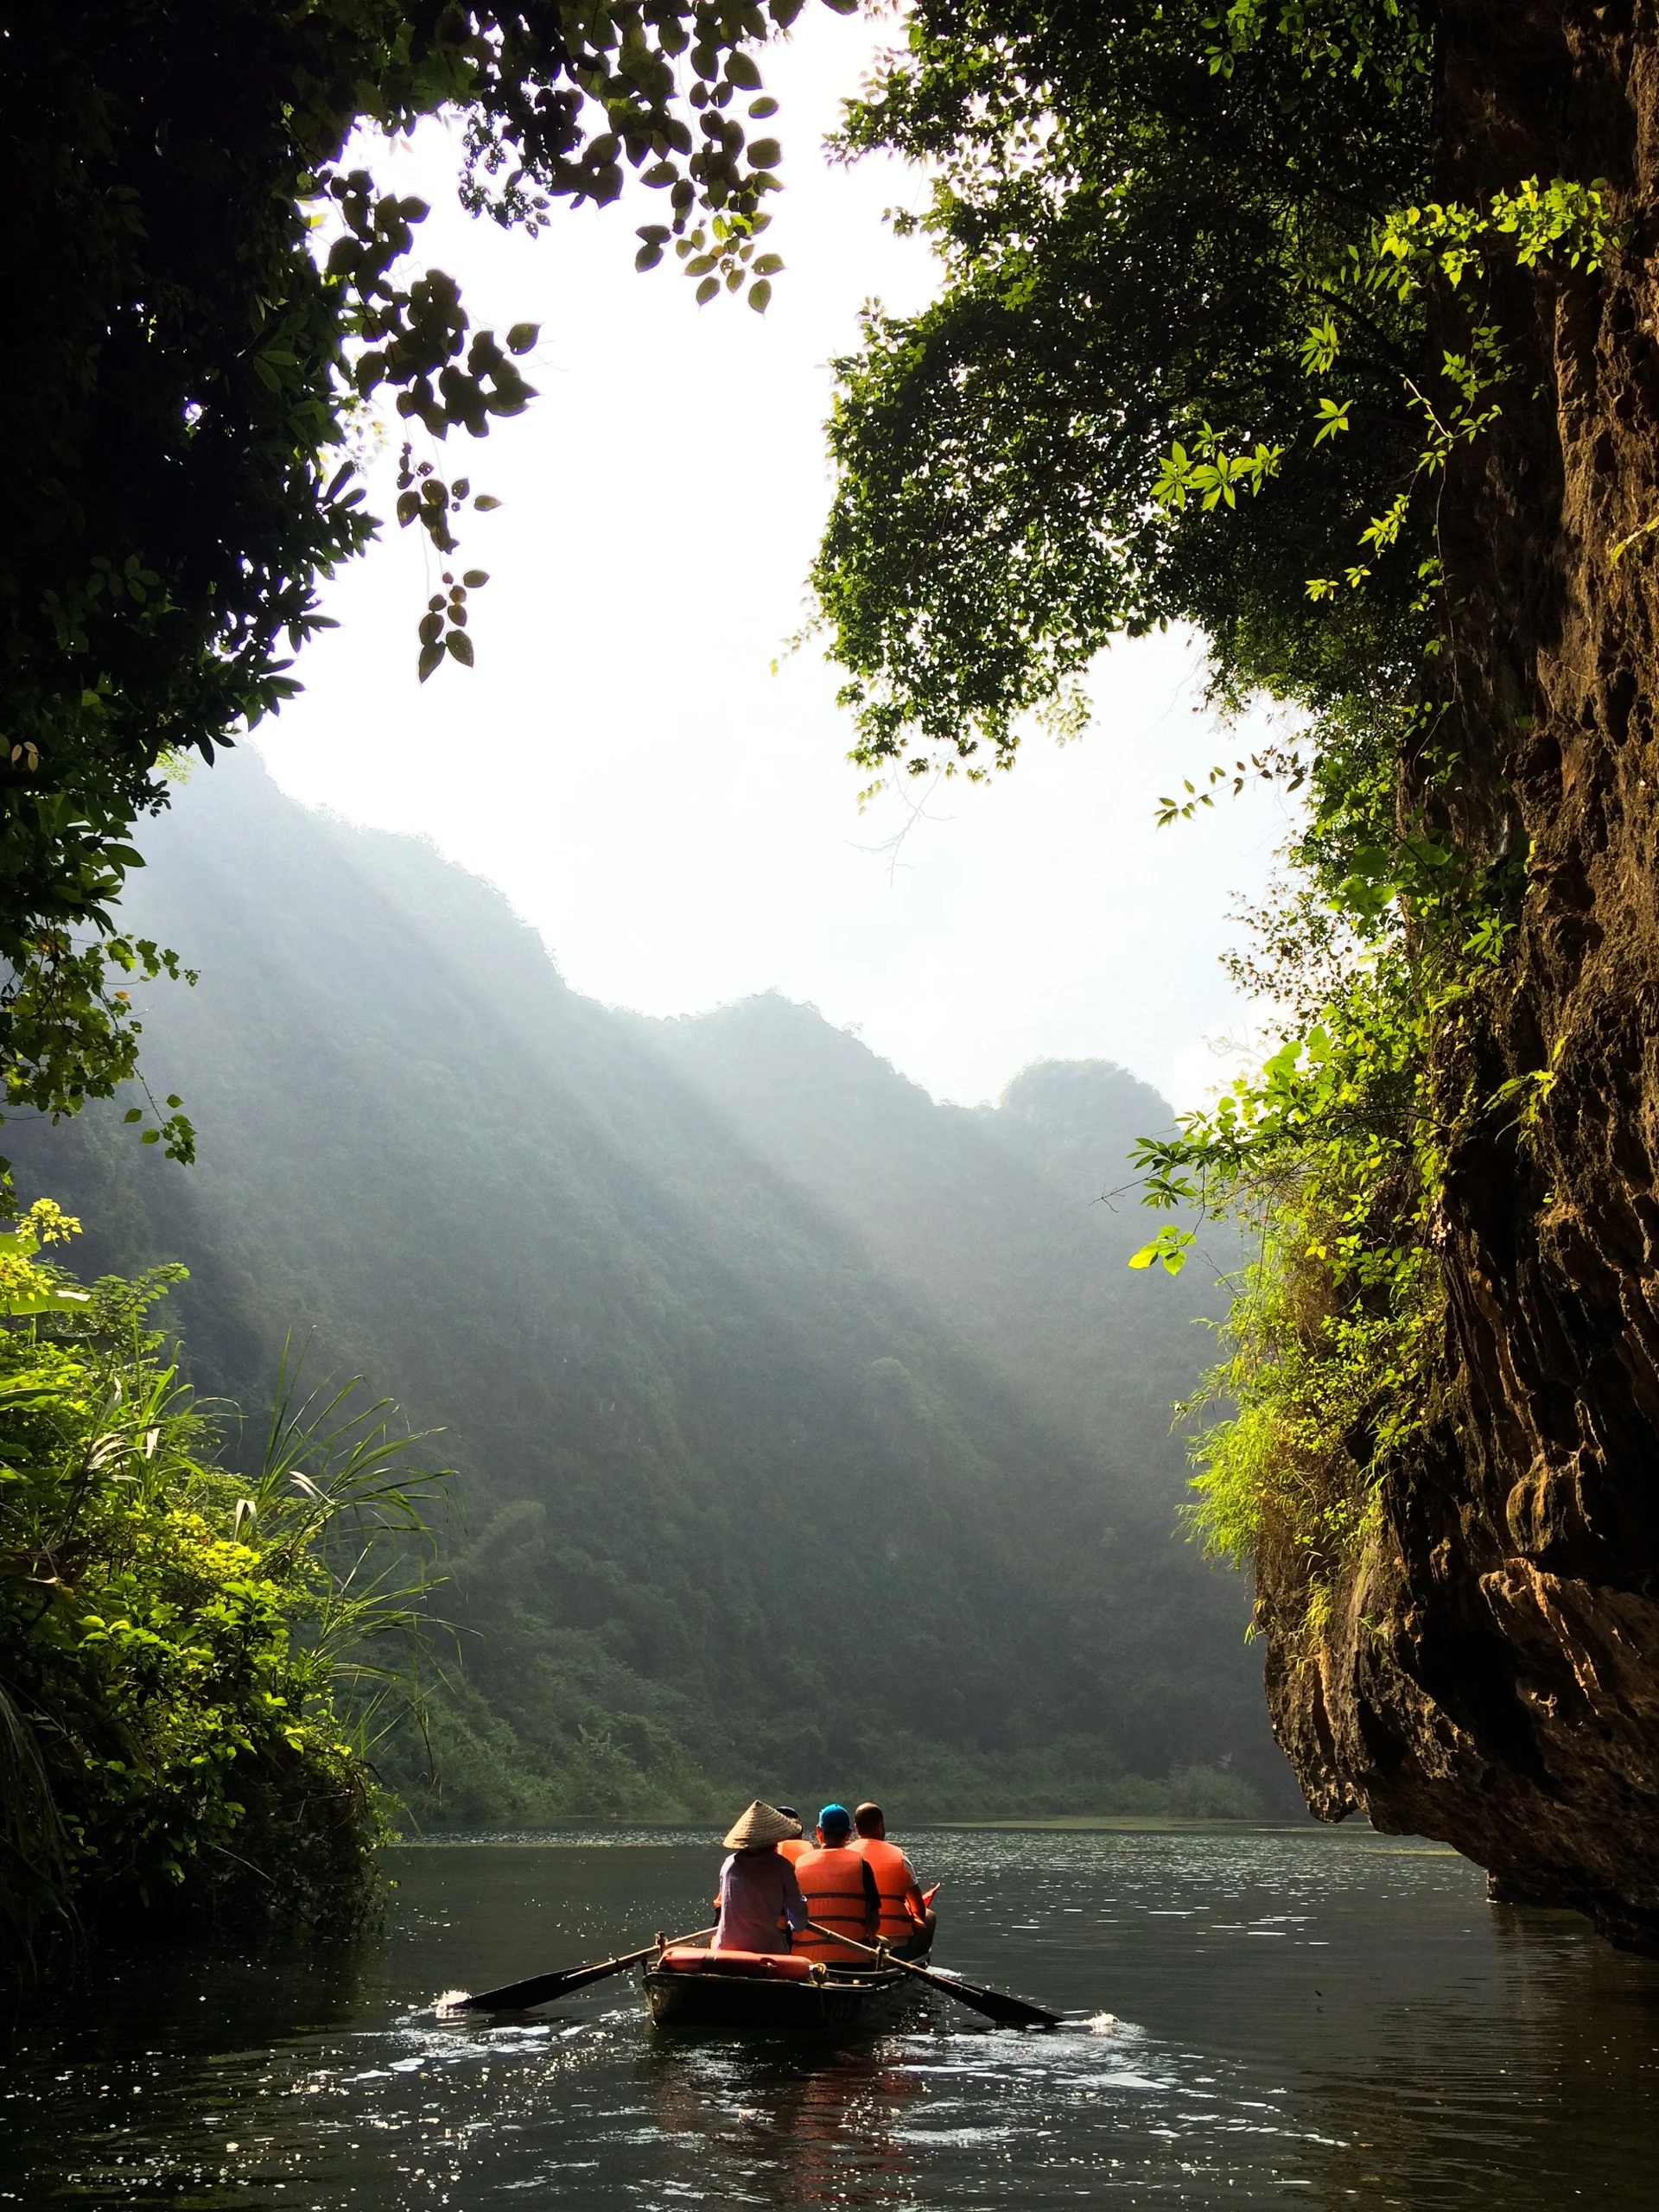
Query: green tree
1142,249
184,369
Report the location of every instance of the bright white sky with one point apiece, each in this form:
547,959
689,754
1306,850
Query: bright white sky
679,823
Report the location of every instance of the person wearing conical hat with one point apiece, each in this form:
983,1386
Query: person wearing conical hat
760,1900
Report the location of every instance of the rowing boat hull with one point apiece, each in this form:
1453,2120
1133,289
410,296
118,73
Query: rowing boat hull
737,2005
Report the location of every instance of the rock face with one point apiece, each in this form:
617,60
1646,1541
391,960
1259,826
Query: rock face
1491,1672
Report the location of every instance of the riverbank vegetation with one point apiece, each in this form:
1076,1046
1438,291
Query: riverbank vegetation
194,1659
1330,1157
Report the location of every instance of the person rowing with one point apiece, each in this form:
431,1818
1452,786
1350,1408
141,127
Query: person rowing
841,1892
760,1901
908,1920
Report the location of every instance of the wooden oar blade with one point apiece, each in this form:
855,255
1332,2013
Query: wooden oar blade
997,2005
546,1988
539,1989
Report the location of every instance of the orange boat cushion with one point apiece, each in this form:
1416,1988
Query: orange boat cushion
760,1966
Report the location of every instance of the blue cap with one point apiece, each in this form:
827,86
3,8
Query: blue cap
833,1817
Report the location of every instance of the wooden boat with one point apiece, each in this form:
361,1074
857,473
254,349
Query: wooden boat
823,1996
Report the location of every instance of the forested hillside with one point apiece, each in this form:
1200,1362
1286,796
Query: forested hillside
810,1435
1004,1217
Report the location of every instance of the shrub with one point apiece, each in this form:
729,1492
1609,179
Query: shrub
189,1674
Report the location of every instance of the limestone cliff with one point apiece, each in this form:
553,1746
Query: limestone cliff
1490,1673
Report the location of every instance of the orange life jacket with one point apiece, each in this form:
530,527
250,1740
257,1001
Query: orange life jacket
833,1882
901,1905
792,1847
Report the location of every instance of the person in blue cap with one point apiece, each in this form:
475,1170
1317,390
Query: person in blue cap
841,1892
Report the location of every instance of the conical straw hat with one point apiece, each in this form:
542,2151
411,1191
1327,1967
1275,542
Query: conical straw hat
760,1825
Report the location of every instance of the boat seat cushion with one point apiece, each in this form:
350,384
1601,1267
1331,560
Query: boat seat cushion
759,1966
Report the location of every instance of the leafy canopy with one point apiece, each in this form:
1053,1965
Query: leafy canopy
1149,244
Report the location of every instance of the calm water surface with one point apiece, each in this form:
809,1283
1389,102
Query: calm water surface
1265,2018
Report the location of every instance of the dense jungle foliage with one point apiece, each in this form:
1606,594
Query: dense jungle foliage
810,1436
191,1657
221,319
1208,353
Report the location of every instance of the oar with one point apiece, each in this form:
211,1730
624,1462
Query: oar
995,2003
542,1988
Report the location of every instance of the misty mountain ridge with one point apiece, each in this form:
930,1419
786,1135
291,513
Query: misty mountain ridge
811,1435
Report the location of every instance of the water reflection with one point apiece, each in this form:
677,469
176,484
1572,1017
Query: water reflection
1260,2020
1549,2092
789,2127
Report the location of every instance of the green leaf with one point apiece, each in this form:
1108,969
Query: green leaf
485,501
707,289
474,577
1168,1249
760,295
431,658
460,646
133,1114
22,1304
523,336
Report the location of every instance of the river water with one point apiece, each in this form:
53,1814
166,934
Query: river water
1270,2018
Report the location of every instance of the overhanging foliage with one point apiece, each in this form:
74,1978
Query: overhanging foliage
1137,245
182,378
